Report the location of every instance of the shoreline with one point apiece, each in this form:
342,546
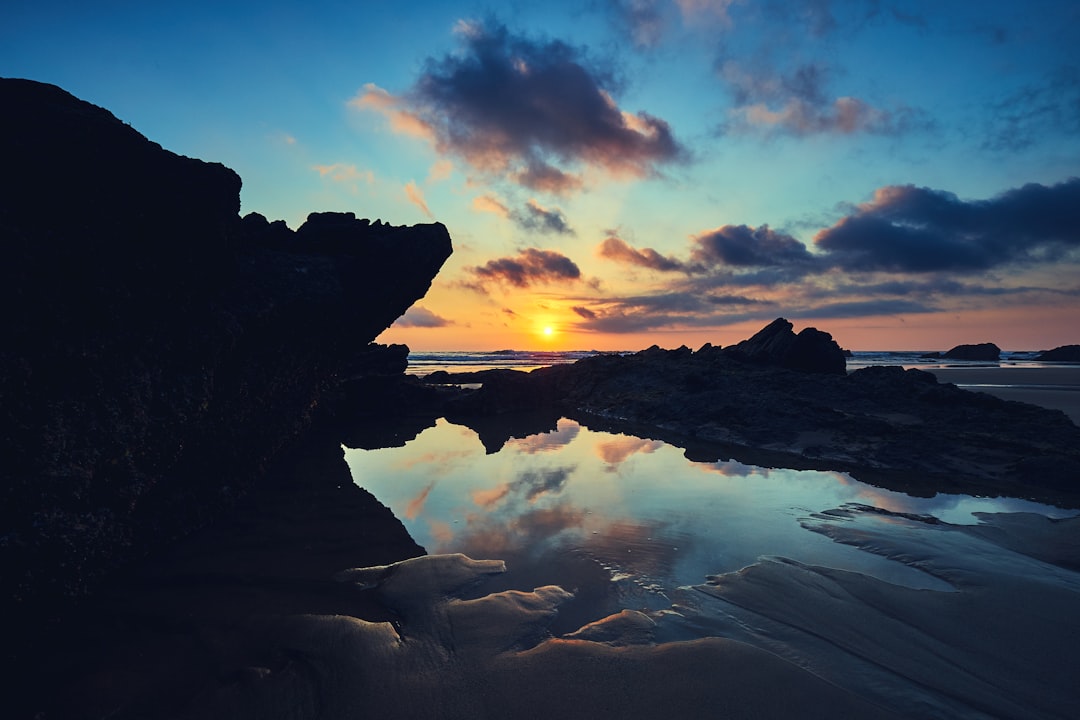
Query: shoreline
1054,387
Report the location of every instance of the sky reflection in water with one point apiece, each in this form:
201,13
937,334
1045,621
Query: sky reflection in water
621,520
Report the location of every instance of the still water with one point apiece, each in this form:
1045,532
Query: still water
624,522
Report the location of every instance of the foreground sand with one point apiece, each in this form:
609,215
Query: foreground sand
1055,387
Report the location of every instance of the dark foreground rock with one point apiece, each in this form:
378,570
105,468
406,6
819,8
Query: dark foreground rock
884,425
158,350
1065,353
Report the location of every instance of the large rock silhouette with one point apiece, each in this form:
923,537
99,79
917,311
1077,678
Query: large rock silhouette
157,349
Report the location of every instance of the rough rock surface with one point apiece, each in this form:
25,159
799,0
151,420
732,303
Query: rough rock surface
982,351
158,349
885,425
776,344
1065,353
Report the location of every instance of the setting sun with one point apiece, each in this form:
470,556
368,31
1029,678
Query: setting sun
548,331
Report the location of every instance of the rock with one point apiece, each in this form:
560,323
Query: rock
982,351
164,349
776,344
1065,353
885,425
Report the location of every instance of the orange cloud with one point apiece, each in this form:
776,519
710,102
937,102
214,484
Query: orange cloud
416,197
402,121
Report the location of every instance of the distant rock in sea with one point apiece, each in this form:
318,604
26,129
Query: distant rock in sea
1065,353
982,351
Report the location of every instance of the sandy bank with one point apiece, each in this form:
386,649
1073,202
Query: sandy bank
1056,387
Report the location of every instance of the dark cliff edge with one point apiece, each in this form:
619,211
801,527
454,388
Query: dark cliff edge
158,350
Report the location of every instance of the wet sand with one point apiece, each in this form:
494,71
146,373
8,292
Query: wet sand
1055,387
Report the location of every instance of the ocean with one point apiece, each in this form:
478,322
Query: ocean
426,362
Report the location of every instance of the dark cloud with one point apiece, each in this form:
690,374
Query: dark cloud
541,219
522,107
911,229
615,248
741,246
532,266
584,312
417,316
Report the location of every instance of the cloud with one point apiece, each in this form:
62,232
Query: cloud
440,170
584,312
615,248
490,204
529,110
402,120
342,172
532,216
546,178
421,317
644,20
743,246
536,217
531,267
908,229
416,197
797,103
1037,110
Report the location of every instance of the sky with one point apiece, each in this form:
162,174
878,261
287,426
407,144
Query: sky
903,174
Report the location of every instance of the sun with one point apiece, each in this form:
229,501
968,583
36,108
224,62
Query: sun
548,331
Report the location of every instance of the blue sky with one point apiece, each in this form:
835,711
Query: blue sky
621,172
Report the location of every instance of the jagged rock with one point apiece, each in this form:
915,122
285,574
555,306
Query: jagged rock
982,351
162,349
776,344
1065,353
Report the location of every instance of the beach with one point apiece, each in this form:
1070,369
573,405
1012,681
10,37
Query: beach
1051,386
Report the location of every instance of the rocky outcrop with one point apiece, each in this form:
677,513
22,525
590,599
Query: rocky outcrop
982,351
158,349
777,345
885,425
1065,353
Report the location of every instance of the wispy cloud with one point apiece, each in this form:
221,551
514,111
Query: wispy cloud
531,216
344,173
416,197
797,103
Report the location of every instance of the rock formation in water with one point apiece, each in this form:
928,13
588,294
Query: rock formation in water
158,349
982,351
1065,353
885,425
